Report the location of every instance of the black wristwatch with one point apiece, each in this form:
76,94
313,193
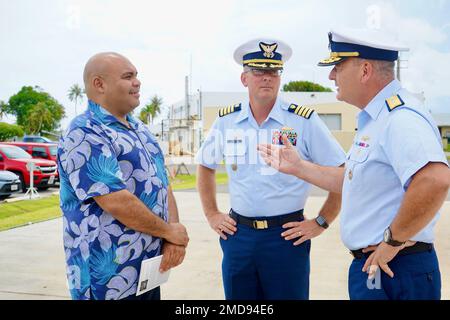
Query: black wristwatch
388,238
321,221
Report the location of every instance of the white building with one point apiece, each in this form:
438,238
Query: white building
443,124
190,119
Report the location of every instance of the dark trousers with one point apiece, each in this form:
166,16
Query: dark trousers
416,277
261,265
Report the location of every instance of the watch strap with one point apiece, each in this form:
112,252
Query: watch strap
390,241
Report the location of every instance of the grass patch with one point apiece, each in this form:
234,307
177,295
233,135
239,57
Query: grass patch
22,212
182,182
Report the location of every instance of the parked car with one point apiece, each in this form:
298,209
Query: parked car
15,159
39,151
37,139
9,184
46,151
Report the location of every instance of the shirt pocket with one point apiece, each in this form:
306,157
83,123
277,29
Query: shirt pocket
359,155
356,160
234,148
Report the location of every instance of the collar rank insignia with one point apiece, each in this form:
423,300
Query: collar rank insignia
301,111
268,49
394,102
229,110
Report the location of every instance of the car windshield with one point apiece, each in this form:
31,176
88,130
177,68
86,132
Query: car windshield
37,139
13,152
44,139
53,150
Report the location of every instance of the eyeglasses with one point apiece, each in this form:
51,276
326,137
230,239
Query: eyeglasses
262,72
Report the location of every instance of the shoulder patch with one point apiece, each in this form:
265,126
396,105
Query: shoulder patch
394,102
301,111
229,109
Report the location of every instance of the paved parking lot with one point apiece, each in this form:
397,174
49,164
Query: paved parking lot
43,193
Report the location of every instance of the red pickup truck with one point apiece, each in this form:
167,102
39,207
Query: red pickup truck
46,151
14,159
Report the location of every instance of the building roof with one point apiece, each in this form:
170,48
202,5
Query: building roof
216,99
442,119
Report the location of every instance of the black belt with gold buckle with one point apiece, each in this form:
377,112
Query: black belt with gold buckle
267,222
415,248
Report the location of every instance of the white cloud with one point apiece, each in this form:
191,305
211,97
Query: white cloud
427,68
48,42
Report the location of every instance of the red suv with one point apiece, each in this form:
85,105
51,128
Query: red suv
38,150
15,159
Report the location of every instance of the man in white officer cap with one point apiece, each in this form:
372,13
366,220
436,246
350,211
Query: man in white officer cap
396,176
265,238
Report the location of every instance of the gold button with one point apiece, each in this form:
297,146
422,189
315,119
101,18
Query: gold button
350,174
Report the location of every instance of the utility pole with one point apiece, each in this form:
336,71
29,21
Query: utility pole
186,95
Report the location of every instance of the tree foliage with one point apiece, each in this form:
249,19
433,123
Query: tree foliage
35,109
304,86
151,109
8,131
39,117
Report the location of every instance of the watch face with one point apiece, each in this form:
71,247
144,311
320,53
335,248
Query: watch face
386,235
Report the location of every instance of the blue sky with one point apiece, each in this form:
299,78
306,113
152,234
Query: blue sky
47,43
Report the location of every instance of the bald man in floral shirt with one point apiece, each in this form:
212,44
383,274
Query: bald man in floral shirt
118,207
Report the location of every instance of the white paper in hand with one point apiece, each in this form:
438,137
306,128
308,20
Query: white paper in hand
150,277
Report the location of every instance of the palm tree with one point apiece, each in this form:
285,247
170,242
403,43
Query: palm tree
3,111
75,93
151,109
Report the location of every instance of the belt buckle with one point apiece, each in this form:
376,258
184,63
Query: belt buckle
260,224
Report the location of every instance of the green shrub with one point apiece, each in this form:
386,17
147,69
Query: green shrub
8,131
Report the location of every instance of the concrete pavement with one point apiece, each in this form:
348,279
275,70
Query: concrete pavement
32,258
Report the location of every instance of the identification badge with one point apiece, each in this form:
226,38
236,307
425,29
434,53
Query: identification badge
234,144
235,148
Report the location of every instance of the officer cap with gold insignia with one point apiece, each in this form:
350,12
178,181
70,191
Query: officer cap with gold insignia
361,43
263,53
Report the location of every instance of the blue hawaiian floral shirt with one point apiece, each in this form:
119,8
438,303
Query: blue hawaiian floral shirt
99,155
